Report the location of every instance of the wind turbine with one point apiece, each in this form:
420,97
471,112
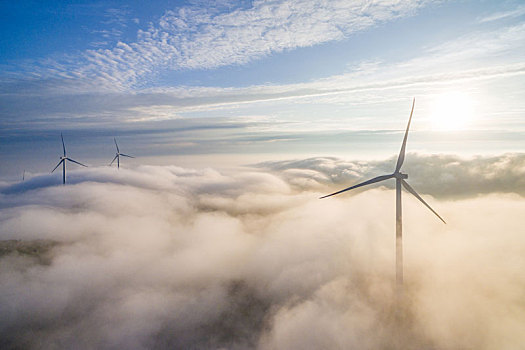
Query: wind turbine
63,161
117,155
400,181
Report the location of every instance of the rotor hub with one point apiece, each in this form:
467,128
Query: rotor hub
401,176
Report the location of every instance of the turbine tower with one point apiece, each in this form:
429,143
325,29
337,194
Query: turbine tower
400,181
63,161
117,155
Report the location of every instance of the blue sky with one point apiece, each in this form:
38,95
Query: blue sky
275,78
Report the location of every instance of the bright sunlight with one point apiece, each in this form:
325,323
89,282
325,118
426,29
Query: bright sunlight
452,111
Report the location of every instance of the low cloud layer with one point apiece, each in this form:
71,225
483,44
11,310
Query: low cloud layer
442,176
166,257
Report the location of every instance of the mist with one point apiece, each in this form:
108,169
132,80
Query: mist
168,257
443,176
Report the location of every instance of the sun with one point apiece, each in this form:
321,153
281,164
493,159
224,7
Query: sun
452,111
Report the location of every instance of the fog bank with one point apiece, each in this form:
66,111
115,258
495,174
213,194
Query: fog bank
166,257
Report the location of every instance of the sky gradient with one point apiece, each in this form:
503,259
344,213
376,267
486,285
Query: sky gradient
241,115
178,81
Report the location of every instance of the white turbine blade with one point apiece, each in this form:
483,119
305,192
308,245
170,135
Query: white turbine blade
114,139
74,161
63,146
401,157
113,160
371,181
55,168
411,190
125,155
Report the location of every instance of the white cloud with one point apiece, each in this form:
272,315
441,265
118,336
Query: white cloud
109,90
114,23
466,62
172,257
517,12
204,37
192,38
442,176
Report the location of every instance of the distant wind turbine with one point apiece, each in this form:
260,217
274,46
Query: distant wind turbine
117,155
400,180
63,161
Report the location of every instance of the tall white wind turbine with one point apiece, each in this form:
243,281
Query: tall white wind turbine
400,180
118,155
63,161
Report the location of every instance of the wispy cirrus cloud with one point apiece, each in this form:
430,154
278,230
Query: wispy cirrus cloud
389,82
205,38
517,12
196,38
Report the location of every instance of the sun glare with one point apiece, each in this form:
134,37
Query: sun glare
451,111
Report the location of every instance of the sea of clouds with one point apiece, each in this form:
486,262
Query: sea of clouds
166,257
